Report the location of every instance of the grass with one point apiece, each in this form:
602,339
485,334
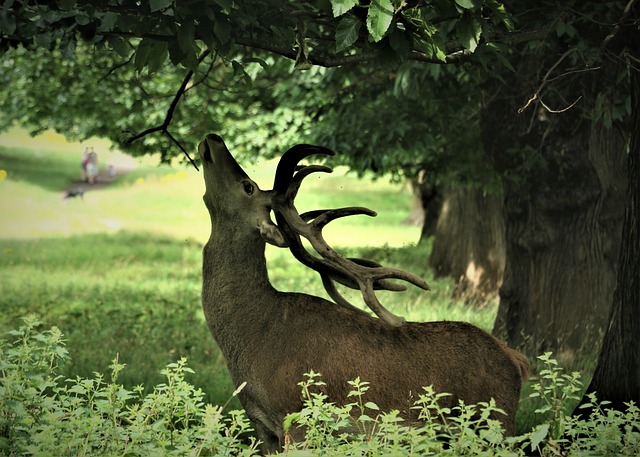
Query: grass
119,272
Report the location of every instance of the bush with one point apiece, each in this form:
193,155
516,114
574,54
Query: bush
45,415
466,429
42,414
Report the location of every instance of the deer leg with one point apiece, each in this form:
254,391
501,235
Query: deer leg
270,443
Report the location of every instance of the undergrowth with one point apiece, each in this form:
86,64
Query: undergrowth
45,414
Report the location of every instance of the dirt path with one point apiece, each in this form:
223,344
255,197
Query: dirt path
103,180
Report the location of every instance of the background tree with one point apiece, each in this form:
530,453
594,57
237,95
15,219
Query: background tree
562,162
617,375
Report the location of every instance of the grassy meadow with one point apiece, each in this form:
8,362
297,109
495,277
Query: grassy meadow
119,271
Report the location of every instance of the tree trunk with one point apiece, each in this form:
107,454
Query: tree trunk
469,242
562,244
564,180
617,375
428,197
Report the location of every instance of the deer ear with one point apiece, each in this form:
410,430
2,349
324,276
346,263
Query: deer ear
272,234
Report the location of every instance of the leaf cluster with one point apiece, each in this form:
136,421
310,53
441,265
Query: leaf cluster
306,32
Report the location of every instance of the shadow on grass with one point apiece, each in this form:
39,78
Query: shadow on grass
50,170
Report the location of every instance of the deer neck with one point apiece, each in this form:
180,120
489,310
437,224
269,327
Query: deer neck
235,279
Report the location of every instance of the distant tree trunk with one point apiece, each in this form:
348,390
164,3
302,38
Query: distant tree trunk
429,199
617,375
564,184
469,242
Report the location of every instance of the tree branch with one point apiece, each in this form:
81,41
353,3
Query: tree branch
164,127
338,61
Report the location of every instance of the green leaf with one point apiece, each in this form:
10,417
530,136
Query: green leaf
379,18
371,405
44,40
151,54
469,30
539,434
108,22
498,53
119,45
142,54
225,4
347,32
157,56
340,7
157,5
257,60
222,31
67,4
186,36
466,4
7,23
500,11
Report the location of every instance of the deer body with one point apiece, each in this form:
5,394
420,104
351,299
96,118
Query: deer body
270,339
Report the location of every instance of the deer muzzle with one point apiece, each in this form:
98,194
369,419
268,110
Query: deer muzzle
211,142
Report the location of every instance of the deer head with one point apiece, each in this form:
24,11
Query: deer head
248,202
230,192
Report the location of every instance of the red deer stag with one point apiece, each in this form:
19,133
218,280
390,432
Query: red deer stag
270,338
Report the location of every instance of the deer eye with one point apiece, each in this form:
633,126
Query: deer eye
248,188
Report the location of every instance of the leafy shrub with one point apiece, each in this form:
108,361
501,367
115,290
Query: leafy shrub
43,414
465,429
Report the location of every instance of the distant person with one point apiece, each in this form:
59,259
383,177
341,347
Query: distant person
92,166
85,162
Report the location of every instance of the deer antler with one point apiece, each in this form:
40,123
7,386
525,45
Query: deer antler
362,274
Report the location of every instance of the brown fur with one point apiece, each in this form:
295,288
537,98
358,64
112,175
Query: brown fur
270,339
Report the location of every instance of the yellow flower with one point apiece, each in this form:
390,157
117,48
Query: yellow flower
3,175
139,180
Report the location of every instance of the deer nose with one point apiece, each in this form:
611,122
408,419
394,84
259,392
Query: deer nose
203,150
214,138
210,141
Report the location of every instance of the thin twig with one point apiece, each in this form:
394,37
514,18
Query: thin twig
618,26
116,67
166,132
556,111
536,94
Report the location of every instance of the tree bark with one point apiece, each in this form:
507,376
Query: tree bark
430,196
469,243
617,375
564,180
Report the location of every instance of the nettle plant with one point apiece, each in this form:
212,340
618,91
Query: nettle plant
43,414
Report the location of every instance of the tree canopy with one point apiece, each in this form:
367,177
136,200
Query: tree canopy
184,68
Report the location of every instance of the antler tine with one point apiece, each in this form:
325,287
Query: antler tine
289,160
296,181
330,287
319,218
